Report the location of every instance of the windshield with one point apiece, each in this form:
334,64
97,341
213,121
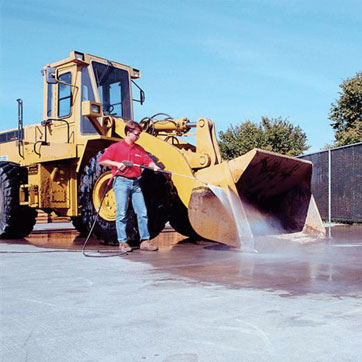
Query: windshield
113,90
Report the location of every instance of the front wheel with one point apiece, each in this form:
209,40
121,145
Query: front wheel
92,188
92,185
79,225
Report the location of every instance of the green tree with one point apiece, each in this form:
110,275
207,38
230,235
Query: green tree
275,134
346,112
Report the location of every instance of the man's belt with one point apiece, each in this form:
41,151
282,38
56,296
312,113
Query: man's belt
129,178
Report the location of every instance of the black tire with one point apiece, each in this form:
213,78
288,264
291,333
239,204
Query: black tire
16,221
155,194
178,216
103,229
79,225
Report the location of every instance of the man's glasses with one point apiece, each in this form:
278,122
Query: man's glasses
136,134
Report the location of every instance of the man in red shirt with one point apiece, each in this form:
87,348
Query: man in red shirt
126,184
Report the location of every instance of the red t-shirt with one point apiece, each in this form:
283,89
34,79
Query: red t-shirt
122,151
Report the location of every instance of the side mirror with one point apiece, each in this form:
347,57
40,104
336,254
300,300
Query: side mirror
51,75
142,93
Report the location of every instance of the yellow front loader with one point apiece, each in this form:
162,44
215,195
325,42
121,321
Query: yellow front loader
53,166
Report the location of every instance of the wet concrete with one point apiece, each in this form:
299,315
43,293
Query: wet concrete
295,265
189,302
291,265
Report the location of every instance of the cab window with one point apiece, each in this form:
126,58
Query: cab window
49,100
86,126
64,95
113,90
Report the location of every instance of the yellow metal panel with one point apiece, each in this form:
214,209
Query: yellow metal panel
170,158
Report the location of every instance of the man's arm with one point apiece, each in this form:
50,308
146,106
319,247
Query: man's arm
110,163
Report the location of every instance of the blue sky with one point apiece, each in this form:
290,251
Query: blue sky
229,60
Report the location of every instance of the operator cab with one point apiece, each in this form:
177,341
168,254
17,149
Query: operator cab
104,85
111,89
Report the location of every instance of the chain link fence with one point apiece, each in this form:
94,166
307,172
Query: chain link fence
337,183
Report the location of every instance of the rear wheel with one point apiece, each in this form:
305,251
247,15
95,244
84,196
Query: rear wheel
16,221
92,187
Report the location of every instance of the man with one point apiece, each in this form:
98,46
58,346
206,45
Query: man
126,184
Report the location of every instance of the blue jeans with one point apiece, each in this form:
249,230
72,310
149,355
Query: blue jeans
124,190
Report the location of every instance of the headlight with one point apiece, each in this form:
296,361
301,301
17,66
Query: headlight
95,108
79,56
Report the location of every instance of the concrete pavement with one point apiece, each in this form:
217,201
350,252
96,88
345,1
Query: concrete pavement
189,302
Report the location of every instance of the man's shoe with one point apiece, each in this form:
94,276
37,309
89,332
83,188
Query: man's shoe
148,246
124,247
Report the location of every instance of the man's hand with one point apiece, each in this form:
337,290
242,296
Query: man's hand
154,167
121,166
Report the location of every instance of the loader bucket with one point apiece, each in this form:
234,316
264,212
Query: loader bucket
259,193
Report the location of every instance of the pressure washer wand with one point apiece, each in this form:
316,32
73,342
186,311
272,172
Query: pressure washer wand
130,163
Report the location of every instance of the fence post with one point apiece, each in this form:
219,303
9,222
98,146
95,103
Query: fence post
329,187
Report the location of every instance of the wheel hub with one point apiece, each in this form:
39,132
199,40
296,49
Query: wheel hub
108,208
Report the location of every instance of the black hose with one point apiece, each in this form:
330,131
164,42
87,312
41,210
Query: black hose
41,251
99,253
162,114
148,123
